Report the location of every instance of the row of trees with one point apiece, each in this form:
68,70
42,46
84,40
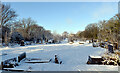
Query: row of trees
103,30
27,29
23,29
31,31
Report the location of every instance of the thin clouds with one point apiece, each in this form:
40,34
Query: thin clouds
104,10
69,21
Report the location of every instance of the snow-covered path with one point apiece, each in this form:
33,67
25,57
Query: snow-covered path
74,57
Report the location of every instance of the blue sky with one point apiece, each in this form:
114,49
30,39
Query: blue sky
65,16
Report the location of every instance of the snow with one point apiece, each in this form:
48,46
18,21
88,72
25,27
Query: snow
73,56
95,56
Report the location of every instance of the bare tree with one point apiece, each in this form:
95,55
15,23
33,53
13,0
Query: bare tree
48,35
8,14
23,26
57,37
65,34
91,31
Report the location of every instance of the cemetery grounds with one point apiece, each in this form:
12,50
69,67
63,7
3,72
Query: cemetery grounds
73,56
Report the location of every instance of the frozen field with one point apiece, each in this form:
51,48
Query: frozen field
74,57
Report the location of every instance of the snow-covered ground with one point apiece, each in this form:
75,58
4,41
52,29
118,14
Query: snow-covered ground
74,57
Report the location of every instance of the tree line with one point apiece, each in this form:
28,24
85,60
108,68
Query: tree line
106,30
27,29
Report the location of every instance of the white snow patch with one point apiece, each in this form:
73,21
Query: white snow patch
74,57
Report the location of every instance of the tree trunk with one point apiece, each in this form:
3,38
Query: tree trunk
41,41
6,39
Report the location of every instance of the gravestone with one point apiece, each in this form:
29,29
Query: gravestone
22,43
56,59
110,48
10,63
102,45
115,45
22,56
94,60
